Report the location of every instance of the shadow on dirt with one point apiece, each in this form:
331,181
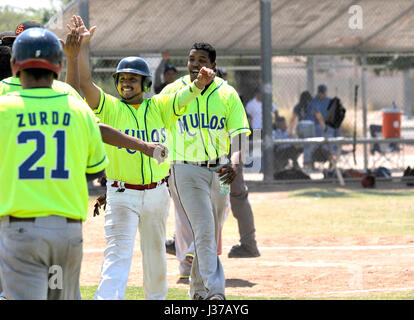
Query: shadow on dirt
239,283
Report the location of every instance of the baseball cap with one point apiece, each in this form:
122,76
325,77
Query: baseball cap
27,25
170,67
322,88
7,37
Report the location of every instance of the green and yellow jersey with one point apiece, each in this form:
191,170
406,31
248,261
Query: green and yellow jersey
203,132
13,84
49,140
149,122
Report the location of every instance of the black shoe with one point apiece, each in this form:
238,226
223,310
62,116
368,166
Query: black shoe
242,251
170,246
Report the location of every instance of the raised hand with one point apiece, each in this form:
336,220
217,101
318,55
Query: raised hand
166,55
73,42
86,34
204,77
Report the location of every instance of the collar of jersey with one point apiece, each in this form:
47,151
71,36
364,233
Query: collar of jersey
39,92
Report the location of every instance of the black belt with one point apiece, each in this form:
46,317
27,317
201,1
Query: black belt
14,219
208,164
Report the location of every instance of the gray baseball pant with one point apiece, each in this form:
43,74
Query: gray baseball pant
40,260
197,189
242,210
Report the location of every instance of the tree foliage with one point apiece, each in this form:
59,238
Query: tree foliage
12,16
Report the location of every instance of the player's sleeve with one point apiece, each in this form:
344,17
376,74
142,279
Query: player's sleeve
236,122
174,104
97,159
105,109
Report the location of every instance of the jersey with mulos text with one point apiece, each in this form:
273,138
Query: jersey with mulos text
149,123
203,132
49,140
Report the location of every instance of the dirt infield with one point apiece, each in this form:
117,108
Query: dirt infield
289,266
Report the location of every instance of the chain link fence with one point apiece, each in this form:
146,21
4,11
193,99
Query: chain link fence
384,82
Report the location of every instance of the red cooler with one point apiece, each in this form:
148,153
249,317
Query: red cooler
391,123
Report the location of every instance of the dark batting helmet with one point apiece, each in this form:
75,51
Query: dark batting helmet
37,48
135,65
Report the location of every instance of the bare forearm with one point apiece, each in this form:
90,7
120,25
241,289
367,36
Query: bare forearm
89,89
72,73
116,138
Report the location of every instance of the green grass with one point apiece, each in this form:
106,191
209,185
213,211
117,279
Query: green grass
336,212
137,293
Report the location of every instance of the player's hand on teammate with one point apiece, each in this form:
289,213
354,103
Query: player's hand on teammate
157,151
227,174
86,34
73,42
204,77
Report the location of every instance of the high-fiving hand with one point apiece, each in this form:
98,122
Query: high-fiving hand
78,24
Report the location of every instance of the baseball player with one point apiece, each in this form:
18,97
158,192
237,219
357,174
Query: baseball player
199,150
49,142
137,196
109,135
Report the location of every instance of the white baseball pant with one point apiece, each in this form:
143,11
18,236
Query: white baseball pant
126,211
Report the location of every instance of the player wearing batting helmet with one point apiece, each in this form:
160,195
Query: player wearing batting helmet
200,154
137,196
71,49
50,141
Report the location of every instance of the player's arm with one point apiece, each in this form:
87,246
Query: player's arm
193,90
93,176
116,138
89,89
174,104
238,153
71,48
238,129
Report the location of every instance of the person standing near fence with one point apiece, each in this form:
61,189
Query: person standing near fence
168,71
199,151
50,141
137,194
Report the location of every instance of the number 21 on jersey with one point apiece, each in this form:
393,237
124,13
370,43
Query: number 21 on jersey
28,169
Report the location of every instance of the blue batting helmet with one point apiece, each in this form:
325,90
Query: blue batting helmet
37,48
135,65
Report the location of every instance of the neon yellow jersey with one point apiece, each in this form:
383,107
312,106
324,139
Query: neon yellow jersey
202,133
49,140
13,84
149,123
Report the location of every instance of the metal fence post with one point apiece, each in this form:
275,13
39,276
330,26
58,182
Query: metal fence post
407,94
364,108
83,11
310,75
266,52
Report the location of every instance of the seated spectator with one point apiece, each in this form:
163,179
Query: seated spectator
284,152
307,116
